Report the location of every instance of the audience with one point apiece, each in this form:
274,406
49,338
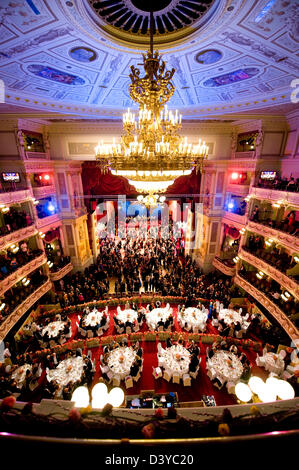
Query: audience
280,183
15,220
277,256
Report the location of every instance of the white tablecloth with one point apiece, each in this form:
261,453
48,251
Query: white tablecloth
126,315
272,362
194,317
69,370
20,373
93,318
176,359
231,316
226,366
157,314
120,361
53,329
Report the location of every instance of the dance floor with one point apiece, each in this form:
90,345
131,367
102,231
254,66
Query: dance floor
200,386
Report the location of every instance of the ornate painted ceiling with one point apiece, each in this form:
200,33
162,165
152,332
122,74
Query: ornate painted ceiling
73,57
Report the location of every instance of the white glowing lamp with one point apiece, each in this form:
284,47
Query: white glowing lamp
99,395
80,397
116,396
285,390
256,384
243,392
267,393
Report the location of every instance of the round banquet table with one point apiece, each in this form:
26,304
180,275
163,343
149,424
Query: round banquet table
127,315
68,370
231,316
194,317
176,359
156,315
226,365
93,318
20,373
53,329
273,363
120,361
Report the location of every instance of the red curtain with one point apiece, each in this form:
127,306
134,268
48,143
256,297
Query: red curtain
95,183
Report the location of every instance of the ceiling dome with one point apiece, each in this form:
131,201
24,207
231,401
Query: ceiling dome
131,17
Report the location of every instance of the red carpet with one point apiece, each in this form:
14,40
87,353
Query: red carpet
200,386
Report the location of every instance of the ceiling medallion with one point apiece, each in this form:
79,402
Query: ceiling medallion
151,153
132,17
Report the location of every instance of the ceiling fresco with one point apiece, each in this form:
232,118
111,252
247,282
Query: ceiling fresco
75,56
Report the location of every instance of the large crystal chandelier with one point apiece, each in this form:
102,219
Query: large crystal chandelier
151,153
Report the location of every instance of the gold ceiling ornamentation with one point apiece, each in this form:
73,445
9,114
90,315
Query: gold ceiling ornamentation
151,153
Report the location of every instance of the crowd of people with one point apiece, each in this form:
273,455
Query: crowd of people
14,220
34,382
276,255
288,224
273,291
10,261
84,286
19,292
280,183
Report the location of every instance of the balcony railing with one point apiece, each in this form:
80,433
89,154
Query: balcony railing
248,154
269,232
17,236
50,220
22,272
15,316
236,218
44,191
274,195
289,284
271,307
224,268
14,197
60,273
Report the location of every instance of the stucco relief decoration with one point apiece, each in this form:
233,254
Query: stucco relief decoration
27,44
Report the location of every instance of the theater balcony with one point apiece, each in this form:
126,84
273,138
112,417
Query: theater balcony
237,219
225,266
23,307
17,236
269,305
275,195
43,191
15,196
291,241
61,271
22,272
289,284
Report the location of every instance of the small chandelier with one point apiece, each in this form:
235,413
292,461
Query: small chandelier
151,153
151,200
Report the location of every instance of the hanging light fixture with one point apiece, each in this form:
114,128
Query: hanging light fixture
151,153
